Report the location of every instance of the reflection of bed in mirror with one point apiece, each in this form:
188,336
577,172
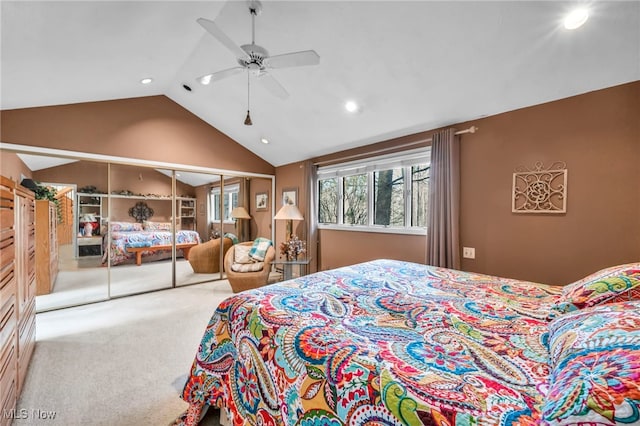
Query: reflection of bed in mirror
133,242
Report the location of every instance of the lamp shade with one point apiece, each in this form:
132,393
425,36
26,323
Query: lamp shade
288,212
240,213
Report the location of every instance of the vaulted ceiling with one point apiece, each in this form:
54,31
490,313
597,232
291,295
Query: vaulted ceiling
411,66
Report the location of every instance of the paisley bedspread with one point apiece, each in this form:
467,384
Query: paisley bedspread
382,342
121,240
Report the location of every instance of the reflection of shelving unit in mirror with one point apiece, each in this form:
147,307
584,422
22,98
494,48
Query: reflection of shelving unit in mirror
187,213
89,216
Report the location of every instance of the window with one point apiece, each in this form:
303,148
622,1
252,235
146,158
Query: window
230,201
386,194
355,200
328,200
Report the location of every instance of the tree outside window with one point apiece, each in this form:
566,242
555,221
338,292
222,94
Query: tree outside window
355,200
388,201
328,200
419,194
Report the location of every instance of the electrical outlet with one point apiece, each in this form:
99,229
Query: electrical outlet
469,252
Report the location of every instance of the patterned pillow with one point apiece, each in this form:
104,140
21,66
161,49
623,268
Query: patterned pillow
595,366
126,226
247,267
610,285
241,254
156,226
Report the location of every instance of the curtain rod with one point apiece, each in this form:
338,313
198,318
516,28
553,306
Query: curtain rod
471,129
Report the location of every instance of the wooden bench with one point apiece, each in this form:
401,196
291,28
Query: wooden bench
138,250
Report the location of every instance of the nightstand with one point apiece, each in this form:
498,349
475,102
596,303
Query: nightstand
287,267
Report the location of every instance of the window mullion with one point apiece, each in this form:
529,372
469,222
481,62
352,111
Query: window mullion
340,220
370,198
408,212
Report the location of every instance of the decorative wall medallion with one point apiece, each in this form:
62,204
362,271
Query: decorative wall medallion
541,190
141,211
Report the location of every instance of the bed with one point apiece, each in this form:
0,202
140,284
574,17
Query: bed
132,242
389,342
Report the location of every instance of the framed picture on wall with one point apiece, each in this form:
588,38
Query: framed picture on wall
262,200
290,196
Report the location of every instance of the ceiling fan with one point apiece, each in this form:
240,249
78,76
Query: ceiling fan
255,58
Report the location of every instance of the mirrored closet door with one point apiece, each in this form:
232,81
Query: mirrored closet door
125,229
73,216
140,232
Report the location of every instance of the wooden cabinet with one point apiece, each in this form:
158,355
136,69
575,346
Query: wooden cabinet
17,291
8,300
47,246
25,278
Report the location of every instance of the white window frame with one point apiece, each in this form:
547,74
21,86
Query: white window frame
229,191
405,160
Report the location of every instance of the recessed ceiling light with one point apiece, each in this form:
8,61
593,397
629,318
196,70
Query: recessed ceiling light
576,18
351,106
146,80
264,141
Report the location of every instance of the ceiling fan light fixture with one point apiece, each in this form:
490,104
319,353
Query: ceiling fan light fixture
247,121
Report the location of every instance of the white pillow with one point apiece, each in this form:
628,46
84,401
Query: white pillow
241,254
247,267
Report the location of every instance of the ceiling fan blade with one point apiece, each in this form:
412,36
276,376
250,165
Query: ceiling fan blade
219,75
272,85
295,59
215,31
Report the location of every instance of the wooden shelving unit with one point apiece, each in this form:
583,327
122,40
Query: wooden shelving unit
187,213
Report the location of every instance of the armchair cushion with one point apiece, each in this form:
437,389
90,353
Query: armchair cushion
241,254
247,267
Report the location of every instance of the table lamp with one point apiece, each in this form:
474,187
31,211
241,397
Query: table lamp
289,212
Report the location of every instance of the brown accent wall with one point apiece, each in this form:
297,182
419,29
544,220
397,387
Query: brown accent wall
260,219
341,248
598,136
11,166
150,128
138,180
290,176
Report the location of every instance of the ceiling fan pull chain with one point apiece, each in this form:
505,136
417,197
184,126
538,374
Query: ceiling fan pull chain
247,120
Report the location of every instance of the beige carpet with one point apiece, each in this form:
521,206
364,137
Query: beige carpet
121,362
84,280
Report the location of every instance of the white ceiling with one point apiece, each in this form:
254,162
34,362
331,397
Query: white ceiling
412,66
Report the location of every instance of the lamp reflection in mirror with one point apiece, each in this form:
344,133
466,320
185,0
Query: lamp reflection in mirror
240,213
289,212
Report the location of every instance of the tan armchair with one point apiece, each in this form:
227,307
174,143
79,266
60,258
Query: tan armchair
241,281
205,258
